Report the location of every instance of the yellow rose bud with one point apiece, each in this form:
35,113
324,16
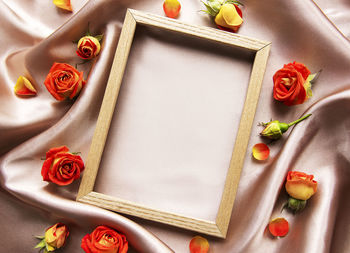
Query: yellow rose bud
300,186
55,237
88,47
228,17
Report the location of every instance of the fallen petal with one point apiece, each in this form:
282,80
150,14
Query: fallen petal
171,8
199,244
261,151
279,227
24,87
63,4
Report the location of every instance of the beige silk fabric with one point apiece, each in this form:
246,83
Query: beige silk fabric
34,34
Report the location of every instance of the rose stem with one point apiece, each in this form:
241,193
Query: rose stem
298,120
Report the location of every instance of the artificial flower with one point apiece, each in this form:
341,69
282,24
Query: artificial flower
226,13
64,81
24,87
61,167
199,244
104,239
279,227
292,84
171,8
300,185
63,4
260,151
55,238
88,47
275,129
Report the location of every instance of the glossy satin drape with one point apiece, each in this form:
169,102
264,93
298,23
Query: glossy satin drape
34,34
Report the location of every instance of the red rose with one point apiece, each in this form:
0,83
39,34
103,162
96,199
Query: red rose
291,85
61,167
104,240
64,81
88,47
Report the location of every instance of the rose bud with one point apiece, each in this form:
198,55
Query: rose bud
64,81
275,129
227,15
292,84
300,187
55,238
88,47
61,167
104,239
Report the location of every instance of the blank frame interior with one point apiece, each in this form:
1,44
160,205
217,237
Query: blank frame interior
170,141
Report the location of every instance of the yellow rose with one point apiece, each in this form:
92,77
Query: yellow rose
229,17
55,237
88,47
300,185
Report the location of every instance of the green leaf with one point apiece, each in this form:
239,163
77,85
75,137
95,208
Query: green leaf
40,245
99,37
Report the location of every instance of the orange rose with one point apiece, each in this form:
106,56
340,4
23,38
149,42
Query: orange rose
291,84
61,167
300,185
104,240
88,47
64,81
55,237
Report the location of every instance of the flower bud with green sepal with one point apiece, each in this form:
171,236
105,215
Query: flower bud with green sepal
275,129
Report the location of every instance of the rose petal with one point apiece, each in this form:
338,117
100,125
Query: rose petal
63,4
261,151
279,227
199,244
171,8
231,15
24,87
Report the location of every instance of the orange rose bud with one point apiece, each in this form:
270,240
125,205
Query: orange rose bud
300,185
88,47
199,244
61,167
55,238
279,227
24,87
63,4
104,239
171,8
64,81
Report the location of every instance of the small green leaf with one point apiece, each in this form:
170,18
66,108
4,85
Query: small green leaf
40,245
99,37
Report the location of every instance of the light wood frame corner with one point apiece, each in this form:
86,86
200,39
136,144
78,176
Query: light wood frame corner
220,226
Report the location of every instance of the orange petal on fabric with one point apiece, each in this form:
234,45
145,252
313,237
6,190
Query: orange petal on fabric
261,151
171,8
279,227
63,4
24,87
199,244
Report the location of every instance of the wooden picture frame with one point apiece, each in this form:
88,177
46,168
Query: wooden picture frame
86,192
